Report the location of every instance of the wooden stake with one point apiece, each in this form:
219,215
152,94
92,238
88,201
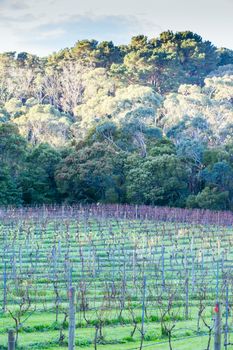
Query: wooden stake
71,341
11,339
217,327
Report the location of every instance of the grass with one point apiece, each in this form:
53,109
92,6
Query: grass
100,256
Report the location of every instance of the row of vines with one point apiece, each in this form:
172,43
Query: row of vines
134,266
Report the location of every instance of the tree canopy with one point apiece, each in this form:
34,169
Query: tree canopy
149,122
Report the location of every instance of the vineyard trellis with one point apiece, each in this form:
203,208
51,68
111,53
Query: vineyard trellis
133,267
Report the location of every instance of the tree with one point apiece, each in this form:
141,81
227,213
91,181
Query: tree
84,51
12,146
43,123
219,175
92,173
122,105
160,180
225,56
209,198
169,60
38,178
204,114
10,188
12,156
71,86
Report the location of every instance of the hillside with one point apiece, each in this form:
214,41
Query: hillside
150,122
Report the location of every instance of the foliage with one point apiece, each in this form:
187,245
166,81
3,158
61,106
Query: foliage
91,174
148,122
160,180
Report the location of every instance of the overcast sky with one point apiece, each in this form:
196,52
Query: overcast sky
45,26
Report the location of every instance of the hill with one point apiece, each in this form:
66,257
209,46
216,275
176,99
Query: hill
148,123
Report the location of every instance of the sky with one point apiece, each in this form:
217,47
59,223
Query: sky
45,26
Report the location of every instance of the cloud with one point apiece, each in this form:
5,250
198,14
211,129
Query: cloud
55,33
15,22
42,26
66,31
99,26
19,5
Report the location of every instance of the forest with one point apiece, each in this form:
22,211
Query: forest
149,123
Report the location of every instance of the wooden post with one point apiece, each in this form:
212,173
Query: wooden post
217,327
143,313
71,341
226,330
11,339
4,289
163,269
186,288
187,298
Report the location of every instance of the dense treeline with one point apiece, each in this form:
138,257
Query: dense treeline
150,122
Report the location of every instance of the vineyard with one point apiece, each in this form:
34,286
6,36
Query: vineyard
136,277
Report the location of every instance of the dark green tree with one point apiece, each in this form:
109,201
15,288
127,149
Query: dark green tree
161,180
91,174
